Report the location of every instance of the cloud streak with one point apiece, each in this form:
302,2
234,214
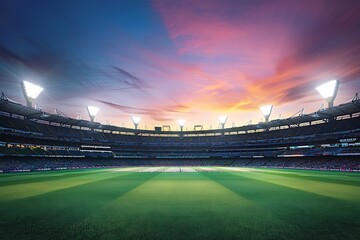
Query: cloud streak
188,59
283,48
161,114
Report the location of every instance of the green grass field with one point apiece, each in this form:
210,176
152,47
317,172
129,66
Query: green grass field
226,204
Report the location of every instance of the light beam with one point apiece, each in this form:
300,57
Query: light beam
31,92
222,120
136,120
266,111
329,91
181,123
93,111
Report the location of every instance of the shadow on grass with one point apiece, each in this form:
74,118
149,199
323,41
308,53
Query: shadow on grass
45,177
50,215
308,215
336,179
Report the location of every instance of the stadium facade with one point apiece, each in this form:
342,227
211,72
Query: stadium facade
31,139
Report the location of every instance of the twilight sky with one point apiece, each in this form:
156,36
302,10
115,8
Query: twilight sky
169,59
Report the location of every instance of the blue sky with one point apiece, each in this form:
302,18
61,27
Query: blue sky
165,60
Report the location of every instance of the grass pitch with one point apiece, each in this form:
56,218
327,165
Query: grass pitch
228,203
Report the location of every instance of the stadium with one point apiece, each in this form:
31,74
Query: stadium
64,177
184,178
35,140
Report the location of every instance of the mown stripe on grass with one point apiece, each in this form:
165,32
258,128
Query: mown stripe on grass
307,215
337,179
5,175
53,215
46,176
126,169
334,190
170,206
314,172
26,190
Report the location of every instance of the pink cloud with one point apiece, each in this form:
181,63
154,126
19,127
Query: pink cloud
261,46
231,59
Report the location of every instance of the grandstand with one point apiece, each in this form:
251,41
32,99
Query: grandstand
180,120
31,139
85,180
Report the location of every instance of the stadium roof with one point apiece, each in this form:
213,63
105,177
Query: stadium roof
12,108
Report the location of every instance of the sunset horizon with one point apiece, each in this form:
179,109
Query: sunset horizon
170,60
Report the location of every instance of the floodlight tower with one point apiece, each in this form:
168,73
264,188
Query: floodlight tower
136,120
92,112
31,92
328,91
222,120
181,123
266,111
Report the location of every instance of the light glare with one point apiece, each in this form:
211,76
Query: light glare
93,110
223,119
32,90
327,90
266,110
136,119
181,122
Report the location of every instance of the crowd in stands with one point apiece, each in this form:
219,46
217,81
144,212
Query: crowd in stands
27,145
173,152
24,130
349,163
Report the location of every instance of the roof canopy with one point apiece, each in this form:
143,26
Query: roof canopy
10,107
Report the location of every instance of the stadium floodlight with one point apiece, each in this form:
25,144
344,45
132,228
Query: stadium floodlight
328,91
222,120
31,92
136,120
266,111
92,112
181,123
